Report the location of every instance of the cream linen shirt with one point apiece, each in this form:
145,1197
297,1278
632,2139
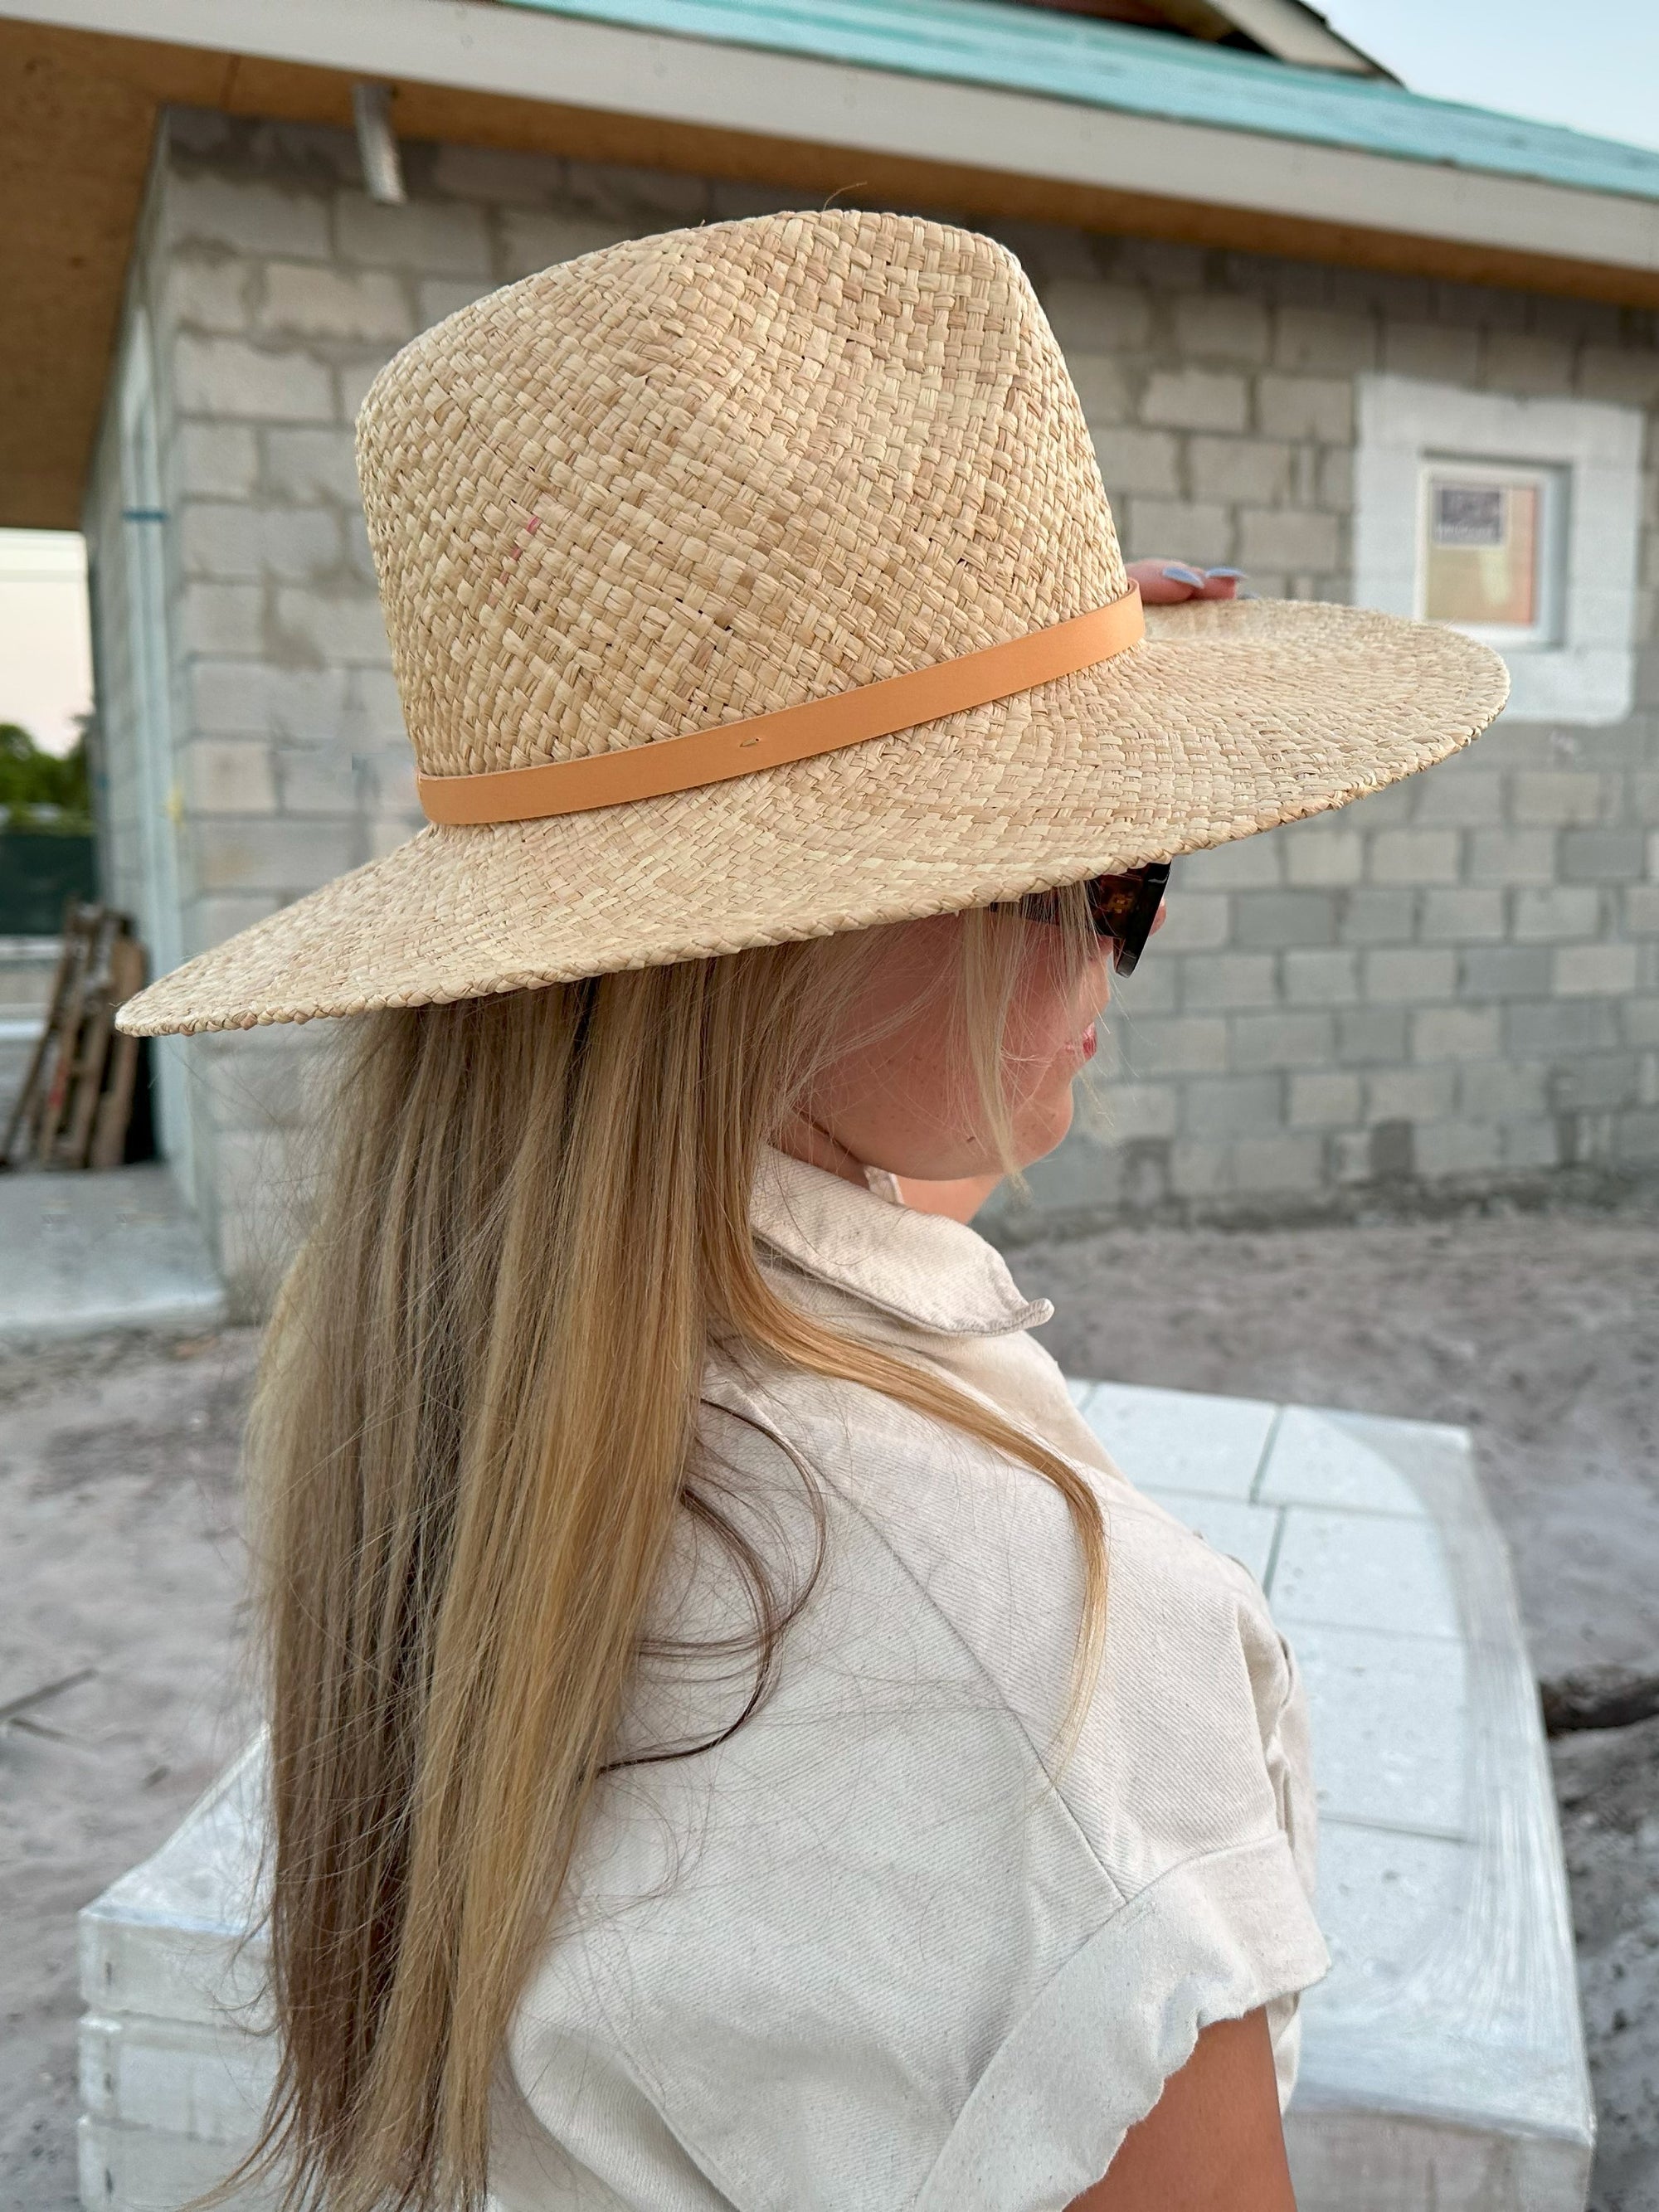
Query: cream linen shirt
877,1947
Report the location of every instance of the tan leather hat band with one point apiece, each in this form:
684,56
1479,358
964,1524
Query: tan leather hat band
793,733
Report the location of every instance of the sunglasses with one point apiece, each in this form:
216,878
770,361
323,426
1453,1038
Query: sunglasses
1122,908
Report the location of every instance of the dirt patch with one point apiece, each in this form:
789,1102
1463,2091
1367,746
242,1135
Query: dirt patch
120,1534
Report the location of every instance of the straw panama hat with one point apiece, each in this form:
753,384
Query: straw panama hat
755,582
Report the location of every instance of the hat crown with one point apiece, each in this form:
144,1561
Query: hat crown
711,473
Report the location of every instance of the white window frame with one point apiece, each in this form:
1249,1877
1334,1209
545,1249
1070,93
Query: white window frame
1579,664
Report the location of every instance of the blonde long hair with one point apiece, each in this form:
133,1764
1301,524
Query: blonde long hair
475,1426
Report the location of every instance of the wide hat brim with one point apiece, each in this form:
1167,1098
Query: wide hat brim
1230,718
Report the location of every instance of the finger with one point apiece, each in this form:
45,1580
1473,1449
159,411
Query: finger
1163,583
1221,583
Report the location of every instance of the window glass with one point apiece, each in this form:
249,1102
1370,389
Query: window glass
1481,564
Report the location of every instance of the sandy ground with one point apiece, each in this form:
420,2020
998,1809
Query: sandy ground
121,1551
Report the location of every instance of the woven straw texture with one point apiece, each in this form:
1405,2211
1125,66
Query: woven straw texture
708,474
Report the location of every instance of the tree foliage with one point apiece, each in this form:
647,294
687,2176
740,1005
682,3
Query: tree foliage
42,791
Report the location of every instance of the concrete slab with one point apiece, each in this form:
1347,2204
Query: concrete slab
1442,2059
81,1253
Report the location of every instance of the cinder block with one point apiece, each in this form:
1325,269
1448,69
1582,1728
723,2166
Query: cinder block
1324,341
218,540
254,217
227,698
1636,1138
1232,1106
1317,855
1223,981
1504,971
437,238
1333,482
1195,400
221,618
335,303
1564,799
1547,916
1439,1033
1378,915
1629,375
1434,350
1641,910
1103,386
1550,1028
1595,970
1268,920
353,378
300,544
1461,917
1133,459
437,298
209,294
1448,1148
1130,1111
1410,1094
215,460
1288,538
317,779
1511,856
1321,978
1414,856
1281,1039
498,175
1603,856
1179,1045
229,776
1198,921
1329,1101
1181,529
1461,793
1199,1170
1640,1017
209,921
1593,1082
1092,316
225,377
647,194
302,466
1222,327
332,625
1267,1167
1305,407
1531,1144
530,242
288,857
1379,810
1518,360
1409,975
1246,864
1499,1089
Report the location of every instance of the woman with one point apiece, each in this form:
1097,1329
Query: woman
735,1740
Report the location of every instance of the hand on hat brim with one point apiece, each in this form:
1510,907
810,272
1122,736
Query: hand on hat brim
1164,582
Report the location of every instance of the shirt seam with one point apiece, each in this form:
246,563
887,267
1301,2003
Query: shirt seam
810,1465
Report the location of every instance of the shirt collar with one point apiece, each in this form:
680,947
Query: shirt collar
936,1274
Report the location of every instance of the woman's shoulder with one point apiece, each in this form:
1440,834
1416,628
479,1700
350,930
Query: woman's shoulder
1195,1676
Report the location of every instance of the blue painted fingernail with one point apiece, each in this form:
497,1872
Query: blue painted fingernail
1234,572
1177,574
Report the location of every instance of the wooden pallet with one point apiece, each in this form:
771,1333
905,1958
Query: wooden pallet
76,1098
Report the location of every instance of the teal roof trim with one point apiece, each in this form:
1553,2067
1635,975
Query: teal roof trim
1089,63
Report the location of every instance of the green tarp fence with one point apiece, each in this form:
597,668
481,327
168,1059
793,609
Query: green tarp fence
38,873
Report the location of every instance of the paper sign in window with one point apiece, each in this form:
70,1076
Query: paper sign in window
1481,565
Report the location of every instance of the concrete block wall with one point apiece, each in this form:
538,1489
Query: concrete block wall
1453,984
